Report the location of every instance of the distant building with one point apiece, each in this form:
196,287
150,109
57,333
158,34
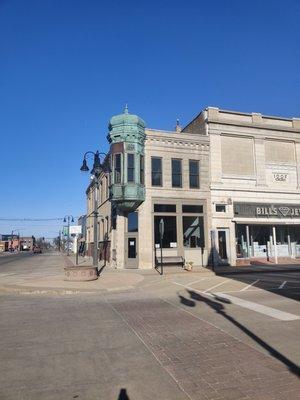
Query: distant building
226,189
15,242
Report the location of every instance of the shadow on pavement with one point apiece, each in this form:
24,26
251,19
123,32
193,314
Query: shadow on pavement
218,307
271,284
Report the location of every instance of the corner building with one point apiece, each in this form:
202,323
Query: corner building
227,188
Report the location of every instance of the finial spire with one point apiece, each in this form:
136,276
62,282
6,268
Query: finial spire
126,109
178,127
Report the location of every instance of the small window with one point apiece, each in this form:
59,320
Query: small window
132,220
164,207
194,174
117,168
130,167
220,208
190,208
176,173
156,171
142,170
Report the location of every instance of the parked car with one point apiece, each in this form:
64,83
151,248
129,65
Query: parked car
37,250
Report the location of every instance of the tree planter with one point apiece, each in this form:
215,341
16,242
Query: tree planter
81,274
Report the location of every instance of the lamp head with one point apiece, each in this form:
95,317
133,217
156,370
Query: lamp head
84,167
97,164
65,220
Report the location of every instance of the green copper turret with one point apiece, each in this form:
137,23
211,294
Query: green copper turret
127,140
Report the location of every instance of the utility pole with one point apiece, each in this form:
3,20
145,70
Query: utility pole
59,239
68,218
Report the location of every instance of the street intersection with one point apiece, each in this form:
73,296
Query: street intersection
178,336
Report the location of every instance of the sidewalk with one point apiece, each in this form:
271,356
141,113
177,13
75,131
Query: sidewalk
51,281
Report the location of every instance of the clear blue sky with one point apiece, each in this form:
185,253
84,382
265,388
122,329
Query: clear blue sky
67,66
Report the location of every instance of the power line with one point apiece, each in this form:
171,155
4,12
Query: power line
32,219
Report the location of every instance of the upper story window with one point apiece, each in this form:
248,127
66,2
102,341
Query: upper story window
176,173
130,167
142,170
194,174
220,208
106,187
156,171
117,168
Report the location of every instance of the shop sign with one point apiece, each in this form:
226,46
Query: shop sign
266,210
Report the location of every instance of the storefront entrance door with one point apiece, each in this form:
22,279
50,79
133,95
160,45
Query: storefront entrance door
131,251
223,244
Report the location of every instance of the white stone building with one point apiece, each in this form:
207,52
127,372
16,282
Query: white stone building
227,188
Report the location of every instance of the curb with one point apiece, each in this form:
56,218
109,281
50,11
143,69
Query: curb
257,271
14,289
44,291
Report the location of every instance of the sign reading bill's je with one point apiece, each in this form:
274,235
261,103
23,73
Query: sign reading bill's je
266,210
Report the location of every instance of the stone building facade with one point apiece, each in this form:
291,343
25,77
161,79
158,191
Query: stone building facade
226,189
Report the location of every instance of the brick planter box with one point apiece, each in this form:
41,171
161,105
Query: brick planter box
81,274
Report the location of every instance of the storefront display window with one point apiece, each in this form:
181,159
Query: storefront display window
193,235
170,231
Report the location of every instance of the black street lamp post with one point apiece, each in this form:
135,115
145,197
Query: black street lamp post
68,218
96,170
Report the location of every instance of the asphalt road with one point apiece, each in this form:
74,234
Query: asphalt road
27,262
173,338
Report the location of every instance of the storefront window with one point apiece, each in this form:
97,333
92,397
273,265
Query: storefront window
191,208
165,208
170,231
193,234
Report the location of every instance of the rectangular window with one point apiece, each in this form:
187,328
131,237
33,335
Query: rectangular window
220,208
190,208
117,168
142,170
176,173
132,222
106,187
170,231
165,208
130,167
156,171
194,174
193,233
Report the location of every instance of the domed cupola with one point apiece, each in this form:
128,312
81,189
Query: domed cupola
127,138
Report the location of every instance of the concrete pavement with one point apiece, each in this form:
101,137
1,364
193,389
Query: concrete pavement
177,336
